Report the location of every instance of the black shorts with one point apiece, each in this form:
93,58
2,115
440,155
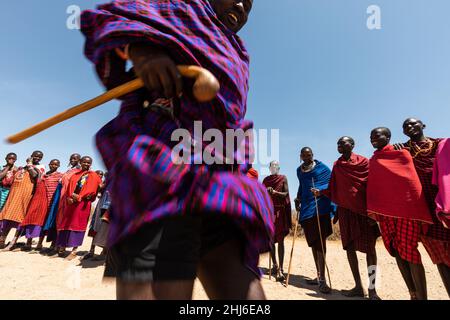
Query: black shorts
169,249
311,229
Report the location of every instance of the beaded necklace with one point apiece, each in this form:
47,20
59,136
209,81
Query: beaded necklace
309,167
417,150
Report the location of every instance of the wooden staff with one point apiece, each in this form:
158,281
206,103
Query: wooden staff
270,265
205,89
321,239
292,249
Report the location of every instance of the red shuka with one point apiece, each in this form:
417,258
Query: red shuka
253,174
348,183
75,216
394,189
282,206
38,207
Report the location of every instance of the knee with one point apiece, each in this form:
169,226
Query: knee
318,248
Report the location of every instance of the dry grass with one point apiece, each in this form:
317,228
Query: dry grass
336,236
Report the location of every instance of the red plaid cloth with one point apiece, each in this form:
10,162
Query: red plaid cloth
437,238
402,236
137,145
356,229
439,251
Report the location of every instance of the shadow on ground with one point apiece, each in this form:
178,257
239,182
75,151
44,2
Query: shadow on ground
300,281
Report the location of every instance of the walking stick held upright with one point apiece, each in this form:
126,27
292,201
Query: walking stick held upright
320,234
292,249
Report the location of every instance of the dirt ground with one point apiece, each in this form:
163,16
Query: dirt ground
32,276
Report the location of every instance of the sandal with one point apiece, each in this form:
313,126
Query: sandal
323,287
353,293
101,257
281,277
71,256
274,271
312,282
26,248
87,256
374,297
51,253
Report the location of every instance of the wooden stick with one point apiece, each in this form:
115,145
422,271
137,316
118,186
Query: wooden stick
270,265
321,238
205,89
292,250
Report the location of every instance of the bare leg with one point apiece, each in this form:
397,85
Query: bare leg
3,240
420,281
314,252
403,266
133,291
61,251
323,287
3,237
354,266
73,254
162,290
39,245
314,281
444,271
321,264
273,256
352,258
27,246
52,249
229,279
281,277
371,259
405,270
91,252
56,252
281,254
14,241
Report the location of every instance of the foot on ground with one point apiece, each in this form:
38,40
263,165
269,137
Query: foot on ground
352,293
324,288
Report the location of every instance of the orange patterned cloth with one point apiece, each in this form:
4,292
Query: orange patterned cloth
19,197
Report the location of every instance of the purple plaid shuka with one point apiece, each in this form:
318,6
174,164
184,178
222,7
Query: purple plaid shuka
136,146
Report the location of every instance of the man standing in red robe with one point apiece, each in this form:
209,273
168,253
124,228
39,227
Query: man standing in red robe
347,189
396,199
277,186
436,239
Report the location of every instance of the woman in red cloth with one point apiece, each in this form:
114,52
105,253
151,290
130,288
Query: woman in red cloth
347,189
277,186
7,174
21,194
81,192
396,199
39,205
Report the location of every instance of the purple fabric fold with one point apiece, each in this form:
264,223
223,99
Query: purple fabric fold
136,146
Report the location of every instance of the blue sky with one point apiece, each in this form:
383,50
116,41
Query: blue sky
317,73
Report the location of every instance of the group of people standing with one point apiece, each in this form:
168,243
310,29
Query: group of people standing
401,193
51,204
